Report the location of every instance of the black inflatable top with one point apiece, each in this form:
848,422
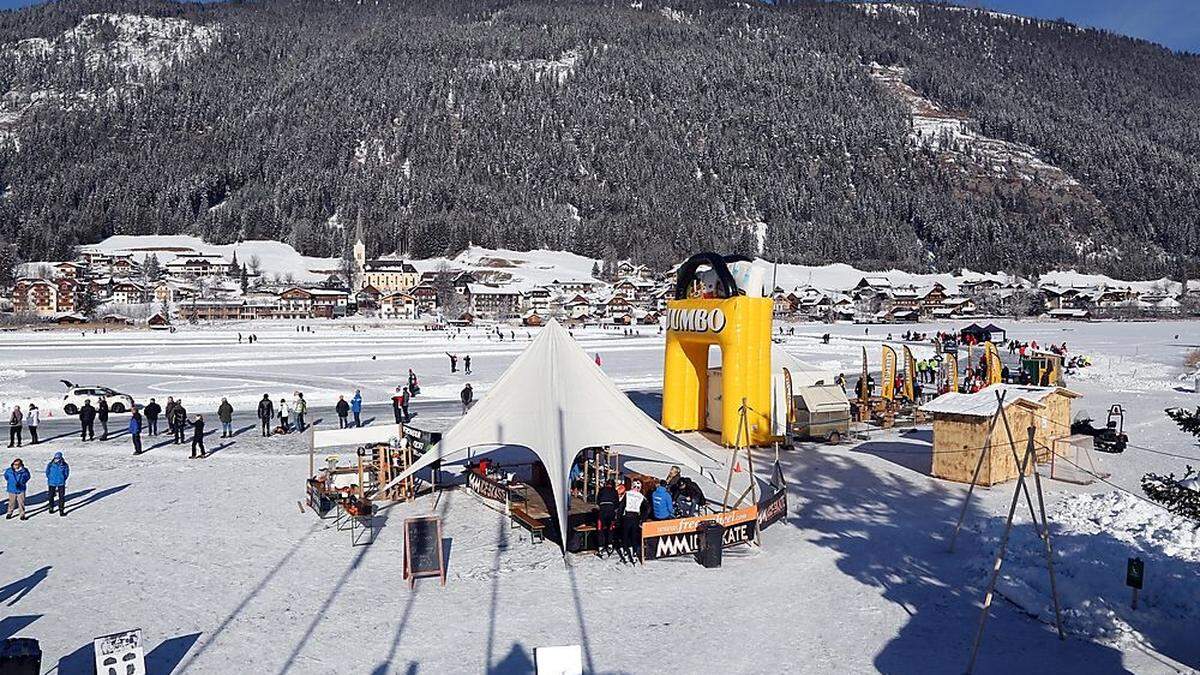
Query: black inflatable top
726,286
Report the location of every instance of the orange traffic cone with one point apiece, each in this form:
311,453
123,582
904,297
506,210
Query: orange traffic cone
737,467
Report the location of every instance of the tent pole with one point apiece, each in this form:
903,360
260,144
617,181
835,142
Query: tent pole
1021,484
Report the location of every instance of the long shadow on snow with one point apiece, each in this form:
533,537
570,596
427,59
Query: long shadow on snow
16,590
891,533
11,625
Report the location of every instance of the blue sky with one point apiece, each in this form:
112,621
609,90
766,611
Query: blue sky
1174,23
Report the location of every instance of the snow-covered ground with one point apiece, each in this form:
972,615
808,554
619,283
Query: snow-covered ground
216,563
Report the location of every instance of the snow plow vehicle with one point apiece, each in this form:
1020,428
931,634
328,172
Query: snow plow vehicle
77,394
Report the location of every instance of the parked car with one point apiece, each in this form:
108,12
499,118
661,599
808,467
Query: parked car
77,394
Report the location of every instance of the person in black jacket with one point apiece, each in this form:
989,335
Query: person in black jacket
266,412
87,421
102,413
179,421
152,410
343,410
197,436
607,500
225,414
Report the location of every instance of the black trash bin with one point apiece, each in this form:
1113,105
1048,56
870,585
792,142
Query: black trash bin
20,656
710,534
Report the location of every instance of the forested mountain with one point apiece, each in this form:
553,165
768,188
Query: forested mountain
880,135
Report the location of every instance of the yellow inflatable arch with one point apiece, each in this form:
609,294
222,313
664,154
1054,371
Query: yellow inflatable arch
741,327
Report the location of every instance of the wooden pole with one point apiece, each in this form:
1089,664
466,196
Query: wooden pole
1021,485
978,465
1046,538
987,598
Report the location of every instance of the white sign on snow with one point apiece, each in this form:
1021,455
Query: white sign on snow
120,653
566,660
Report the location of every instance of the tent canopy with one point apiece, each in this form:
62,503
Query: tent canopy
555,401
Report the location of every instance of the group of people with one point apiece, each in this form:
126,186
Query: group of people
624,506
16,485
30,418
466,360
145,419
268,414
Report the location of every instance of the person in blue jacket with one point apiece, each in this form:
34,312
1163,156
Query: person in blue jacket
663,505
16,477
57,472
356,408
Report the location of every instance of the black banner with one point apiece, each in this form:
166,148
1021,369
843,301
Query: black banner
318,501
669,538
486,487
772,509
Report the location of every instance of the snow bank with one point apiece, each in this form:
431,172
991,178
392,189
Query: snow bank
1093,536
275,257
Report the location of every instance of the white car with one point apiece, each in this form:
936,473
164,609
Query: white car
77,394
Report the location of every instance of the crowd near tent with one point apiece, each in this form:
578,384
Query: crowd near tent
962,429
555,401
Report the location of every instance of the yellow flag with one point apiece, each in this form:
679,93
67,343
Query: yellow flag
889,373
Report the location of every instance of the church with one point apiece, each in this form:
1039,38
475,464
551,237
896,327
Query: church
387,275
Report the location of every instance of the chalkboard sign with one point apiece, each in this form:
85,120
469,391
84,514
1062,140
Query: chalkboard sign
423,549
1134,572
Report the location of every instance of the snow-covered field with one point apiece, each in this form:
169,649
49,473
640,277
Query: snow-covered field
216,563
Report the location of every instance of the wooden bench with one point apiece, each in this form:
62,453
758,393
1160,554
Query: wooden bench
537,531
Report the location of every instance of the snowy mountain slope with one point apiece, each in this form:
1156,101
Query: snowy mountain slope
133,47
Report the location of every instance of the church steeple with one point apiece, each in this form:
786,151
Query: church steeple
360,253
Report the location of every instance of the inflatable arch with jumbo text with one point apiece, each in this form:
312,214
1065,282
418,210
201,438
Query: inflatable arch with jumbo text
741,327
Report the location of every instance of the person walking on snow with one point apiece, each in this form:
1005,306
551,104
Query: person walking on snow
57,472
284,413
467,395
87,421
14,426
404,405
266,412
398,405
413,389
300,406
356,408
153,409
135,430
16,478
453,362
102,413
343,409
467,364
198,437
33,417
225,415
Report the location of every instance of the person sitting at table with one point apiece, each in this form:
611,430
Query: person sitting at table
576,480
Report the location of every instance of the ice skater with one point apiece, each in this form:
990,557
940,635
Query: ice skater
57,472
453,362
467,364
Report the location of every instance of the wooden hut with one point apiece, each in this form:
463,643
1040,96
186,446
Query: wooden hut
963,430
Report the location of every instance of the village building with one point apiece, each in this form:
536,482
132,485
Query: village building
493,302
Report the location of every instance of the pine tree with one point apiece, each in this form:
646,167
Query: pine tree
596,272
1180,496
1187,421
151,270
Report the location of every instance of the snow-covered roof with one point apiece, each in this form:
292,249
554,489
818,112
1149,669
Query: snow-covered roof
983,402
481,289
